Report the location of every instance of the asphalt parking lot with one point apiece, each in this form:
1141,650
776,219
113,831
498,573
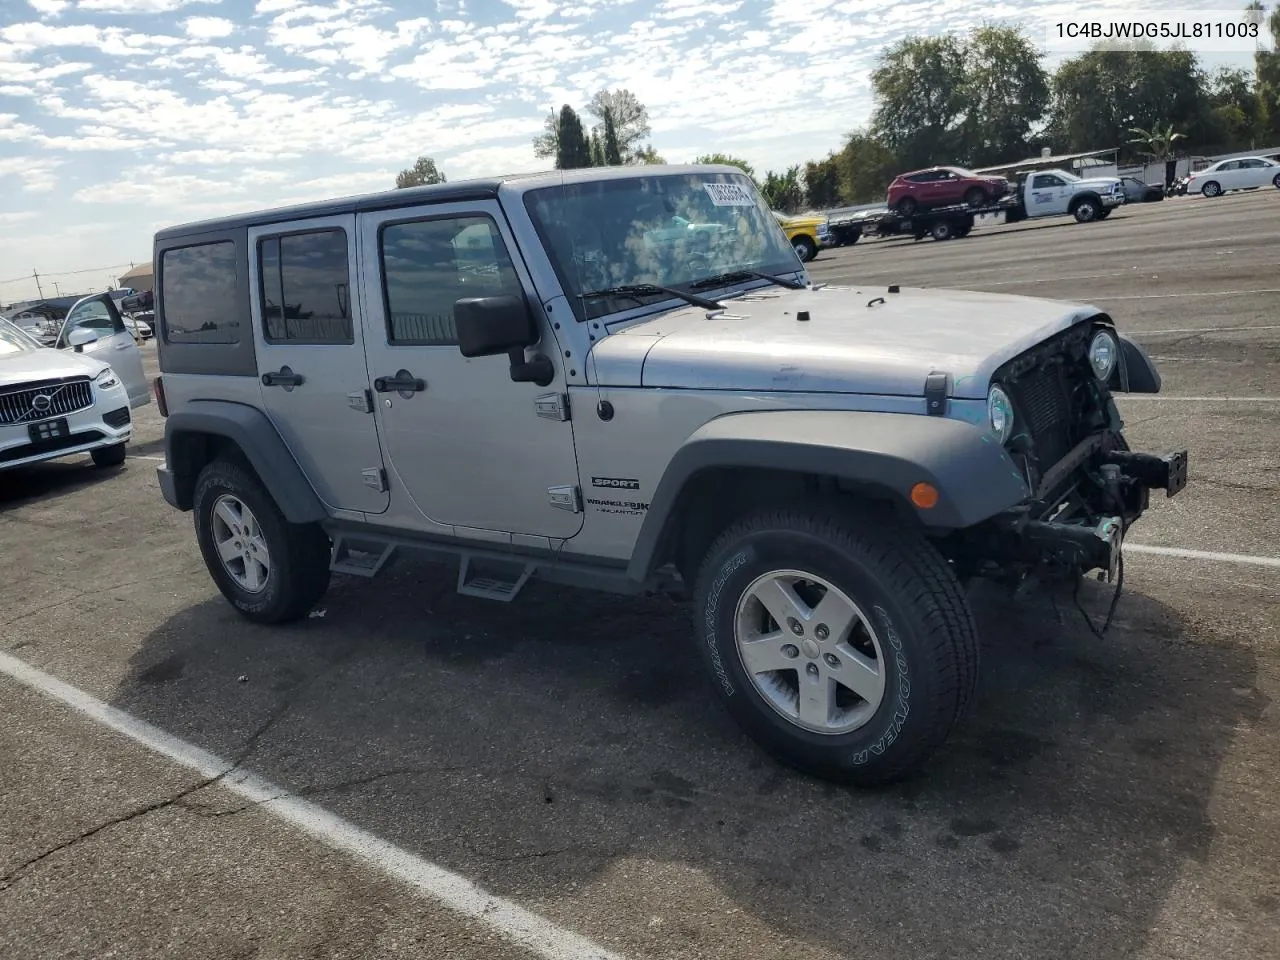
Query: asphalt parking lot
1110,797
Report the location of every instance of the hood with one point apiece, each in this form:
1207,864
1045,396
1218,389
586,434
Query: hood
1097,182
45,364
803,221
857,340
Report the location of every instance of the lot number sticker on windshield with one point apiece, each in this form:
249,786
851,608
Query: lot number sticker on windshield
729,195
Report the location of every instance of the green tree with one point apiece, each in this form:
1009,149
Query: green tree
422,173
1266,64
597,149
573,150
646,154
918,85
610,149
1005,90
1102,94
865,168
782,191
630,119
547,143
822,182
724,159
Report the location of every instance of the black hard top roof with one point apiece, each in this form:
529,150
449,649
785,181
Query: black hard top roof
461,191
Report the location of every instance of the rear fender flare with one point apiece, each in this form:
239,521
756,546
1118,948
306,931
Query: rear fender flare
249,429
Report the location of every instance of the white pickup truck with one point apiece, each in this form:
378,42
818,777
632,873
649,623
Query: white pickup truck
1052,193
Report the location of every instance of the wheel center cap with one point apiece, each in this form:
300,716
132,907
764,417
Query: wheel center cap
810,648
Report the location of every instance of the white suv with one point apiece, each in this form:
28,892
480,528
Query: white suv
56,402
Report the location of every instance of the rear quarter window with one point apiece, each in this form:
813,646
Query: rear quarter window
198,289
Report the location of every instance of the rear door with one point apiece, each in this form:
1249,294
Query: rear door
94,327
309,334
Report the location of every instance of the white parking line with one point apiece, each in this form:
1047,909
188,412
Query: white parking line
1161,333
522,927
1162,398
1173,296
139,456
1214,556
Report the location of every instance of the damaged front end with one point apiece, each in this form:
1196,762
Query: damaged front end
1066,437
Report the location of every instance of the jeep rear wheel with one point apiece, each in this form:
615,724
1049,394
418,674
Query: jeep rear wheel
271,571
840,642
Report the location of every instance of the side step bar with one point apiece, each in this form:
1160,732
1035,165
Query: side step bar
486,574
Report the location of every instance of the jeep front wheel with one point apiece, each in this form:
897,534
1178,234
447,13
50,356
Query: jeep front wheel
271,571
839,641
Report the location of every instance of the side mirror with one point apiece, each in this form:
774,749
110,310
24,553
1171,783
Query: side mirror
81,336
489,326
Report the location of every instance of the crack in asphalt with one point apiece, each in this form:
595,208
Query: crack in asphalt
7,880
212,812
88,592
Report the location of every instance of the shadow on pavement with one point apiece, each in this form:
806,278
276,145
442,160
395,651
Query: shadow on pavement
532,746
51,480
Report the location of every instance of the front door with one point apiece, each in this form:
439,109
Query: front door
94,327
311,361
1048,195
468,446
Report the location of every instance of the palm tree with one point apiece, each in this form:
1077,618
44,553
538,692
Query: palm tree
1158,140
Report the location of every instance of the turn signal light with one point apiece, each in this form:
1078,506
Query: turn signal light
924,495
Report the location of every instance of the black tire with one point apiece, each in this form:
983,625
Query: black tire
111,456
1276,181
901,583
976,197
1212,189
942,230
1085,210
907,206
1103,214
299,553
805,248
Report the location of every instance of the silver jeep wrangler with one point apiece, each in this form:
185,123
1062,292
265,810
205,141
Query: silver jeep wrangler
623,379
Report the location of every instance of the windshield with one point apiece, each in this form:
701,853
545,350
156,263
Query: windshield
13,340
661,230
1067,176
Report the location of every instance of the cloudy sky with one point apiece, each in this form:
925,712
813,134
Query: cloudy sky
120,116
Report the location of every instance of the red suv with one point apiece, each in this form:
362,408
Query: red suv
943,187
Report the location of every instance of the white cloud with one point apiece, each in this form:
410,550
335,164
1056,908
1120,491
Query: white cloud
36,175
49,8
17,216
208,28
137,6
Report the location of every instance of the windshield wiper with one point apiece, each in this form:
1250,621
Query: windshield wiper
634,290
736,276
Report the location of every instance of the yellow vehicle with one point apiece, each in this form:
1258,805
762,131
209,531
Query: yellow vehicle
808,235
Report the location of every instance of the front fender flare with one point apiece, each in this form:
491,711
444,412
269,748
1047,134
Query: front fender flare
1136,372
256,437
973,474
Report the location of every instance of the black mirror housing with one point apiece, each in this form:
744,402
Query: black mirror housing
489,326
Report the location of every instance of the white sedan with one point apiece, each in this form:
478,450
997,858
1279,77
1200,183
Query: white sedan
1241,173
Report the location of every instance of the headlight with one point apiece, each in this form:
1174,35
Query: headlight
1102,354
1000,413
107,379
